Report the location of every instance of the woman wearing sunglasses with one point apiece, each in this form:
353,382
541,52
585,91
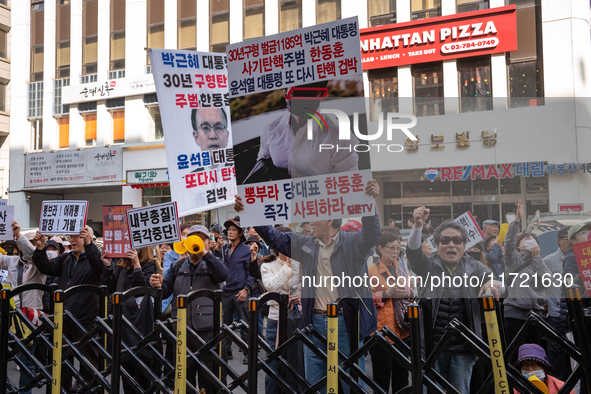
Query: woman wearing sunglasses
453,288
525,271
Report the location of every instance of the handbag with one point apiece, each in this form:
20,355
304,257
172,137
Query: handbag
400,306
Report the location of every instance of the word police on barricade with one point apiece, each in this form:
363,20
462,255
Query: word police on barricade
153,225
63,217
6,219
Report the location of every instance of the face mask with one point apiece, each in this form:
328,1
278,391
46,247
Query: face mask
539,373
51,254
474,255
529,244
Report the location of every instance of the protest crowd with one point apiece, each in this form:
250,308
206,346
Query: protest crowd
248,262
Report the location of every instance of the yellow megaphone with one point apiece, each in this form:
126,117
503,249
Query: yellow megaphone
539,384
192,244
502,233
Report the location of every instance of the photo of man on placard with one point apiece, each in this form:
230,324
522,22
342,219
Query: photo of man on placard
210,128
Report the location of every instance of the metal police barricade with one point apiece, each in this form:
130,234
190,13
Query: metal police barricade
18,348
122,352
496,346
89,338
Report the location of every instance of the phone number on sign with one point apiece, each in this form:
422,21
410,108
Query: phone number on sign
523,279
469,45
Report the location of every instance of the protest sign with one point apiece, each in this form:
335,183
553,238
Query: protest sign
475,234
6,219
583,255
292,97
116,241
192,90
153,225
3,276
62,217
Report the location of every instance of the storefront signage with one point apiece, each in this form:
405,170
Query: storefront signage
103,90
73,167
448,37
570,207
148,176
500,171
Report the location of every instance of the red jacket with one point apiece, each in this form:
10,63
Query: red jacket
554,385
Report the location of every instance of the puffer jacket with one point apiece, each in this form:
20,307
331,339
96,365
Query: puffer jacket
526,293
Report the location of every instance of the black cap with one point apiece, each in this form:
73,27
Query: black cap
53,243
563,232
253,239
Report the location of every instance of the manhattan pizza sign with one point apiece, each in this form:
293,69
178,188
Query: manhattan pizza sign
448,37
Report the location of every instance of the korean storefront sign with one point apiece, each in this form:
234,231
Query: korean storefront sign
192,92
456,36
73,166
116,240
281,174
103,90
500,171
62,217
147,176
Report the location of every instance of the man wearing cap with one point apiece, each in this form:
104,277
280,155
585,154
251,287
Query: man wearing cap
81,266
22,271
534,365
198,271
559,359
352,226
239,282
491,228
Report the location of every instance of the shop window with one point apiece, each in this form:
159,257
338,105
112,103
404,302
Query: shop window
526,87
290,15
62,39
486,211
36,134
384,91
428,89
117,54
37,34
155,25
511,185
459,208
425,189
485,187
155,195
90,129
393,212
2,97
327,10
118,127
381,12
89,36
532,206
475,84
392,190
438,215
187,28
219,35
471,5
461,188
254,18
64,132
422,9
536,185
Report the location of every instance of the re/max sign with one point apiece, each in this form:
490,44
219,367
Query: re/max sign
471,172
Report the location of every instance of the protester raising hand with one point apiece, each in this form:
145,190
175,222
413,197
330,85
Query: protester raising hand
38,240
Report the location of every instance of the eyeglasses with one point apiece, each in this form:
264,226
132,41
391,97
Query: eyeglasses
457,240
218,128
392,247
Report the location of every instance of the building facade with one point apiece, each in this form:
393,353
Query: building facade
81,86
5,35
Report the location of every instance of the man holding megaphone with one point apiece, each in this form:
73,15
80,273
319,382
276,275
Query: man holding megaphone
201,270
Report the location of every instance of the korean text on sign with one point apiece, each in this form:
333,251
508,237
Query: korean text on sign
62,217
6,219
583,255
153,225
116,240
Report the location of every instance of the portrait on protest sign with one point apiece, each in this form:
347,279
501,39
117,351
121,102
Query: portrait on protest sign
116,240
192,90
153,225
62,217
296,99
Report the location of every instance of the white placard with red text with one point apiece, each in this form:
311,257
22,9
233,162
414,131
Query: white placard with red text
62,217
306,199
200,166
475,234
